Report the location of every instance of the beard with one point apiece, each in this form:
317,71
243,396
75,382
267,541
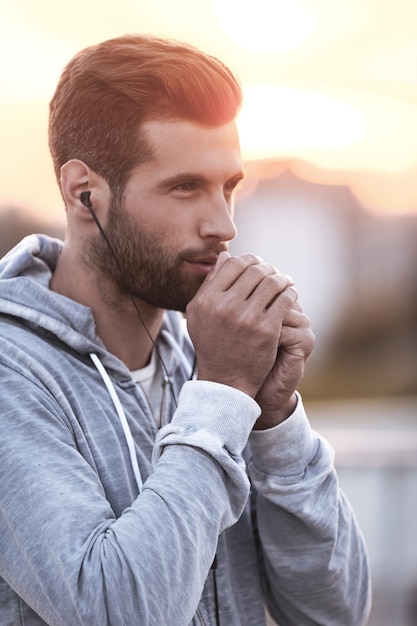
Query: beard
140,263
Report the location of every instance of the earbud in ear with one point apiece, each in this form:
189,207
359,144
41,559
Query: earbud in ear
85,199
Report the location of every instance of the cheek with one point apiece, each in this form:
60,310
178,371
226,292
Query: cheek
177,232
171,225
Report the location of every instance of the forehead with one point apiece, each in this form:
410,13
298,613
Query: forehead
189,145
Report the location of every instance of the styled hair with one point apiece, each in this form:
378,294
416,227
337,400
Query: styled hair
108,90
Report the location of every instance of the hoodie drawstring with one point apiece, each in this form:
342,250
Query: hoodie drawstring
122,417
131,446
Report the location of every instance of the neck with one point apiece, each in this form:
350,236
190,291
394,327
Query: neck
125,333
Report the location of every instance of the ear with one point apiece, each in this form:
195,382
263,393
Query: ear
77,177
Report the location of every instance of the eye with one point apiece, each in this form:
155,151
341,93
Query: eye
186,187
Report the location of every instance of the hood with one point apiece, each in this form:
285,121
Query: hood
25,273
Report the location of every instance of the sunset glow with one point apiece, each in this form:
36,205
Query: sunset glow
278,120
330,85
266,26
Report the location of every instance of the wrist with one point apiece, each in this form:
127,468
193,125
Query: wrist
272,416
235,383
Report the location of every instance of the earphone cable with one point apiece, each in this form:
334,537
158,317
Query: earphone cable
142,321
194,366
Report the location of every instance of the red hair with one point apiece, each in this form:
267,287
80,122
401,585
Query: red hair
108,90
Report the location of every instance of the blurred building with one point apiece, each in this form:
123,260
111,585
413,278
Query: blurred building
356,273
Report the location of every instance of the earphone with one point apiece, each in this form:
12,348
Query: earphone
85,199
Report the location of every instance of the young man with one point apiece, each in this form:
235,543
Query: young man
147,479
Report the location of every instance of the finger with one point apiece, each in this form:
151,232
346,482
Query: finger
296,319
280,303
228,269
262,293
261,282
298,341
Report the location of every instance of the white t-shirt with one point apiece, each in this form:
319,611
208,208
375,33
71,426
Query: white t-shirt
150,379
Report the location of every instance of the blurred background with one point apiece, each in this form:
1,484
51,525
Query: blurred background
329,138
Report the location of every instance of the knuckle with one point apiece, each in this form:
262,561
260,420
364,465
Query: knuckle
271,280
279,283
257,271
246,260
237,260
287,298
291,294
251,258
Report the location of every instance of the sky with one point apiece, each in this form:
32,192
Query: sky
330,85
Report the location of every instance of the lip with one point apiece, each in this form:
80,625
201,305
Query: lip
203,264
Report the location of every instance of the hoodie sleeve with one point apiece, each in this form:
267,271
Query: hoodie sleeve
312,550
64,551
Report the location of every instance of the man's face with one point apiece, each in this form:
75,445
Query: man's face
176,215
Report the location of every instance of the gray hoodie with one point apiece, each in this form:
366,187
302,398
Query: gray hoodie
108,521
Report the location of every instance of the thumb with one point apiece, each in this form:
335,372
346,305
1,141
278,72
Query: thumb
221,260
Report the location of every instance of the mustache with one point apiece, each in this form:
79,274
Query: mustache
191,254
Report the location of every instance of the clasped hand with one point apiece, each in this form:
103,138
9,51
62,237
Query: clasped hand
249,332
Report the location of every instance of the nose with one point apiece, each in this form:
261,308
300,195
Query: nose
218,220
